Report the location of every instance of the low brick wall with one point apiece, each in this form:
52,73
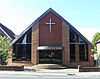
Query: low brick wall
11,68
89,69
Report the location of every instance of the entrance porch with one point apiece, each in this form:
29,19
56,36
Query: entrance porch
50,57
51,54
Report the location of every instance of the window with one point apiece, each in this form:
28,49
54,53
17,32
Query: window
72,36
83,50
75,40
80,40
72,52
72,46
22,48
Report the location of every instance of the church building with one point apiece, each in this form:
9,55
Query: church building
50,39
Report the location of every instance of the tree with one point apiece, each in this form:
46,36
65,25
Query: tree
96,37
4,45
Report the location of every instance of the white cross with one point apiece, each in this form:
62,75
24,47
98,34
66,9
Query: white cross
50,23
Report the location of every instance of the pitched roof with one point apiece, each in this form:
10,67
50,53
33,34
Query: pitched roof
7,31
55,13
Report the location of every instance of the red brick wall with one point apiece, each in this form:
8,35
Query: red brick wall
76,53
65,44
91,60
35,43
45,36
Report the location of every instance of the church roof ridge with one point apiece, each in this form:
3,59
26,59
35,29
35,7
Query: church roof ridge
55,13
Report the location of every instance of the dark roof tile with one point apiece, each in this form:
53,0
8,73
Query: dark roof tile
8,31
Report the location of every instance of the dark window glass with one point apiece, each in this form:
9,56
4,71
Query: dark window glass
80,40
72,52
83,52
72,36
22,48
50,56
72,46
86,53
83,47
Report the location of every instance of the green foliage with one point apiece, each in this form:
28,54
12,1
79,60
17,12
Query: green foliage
96,37
4,45
95,50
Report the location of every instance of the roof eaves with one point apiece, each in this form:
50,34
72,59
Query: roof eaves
51,10
6,33
70,26
22,33
81,36
30,26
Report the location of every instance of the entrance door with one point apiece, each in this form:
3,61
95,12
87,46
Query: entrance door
50,57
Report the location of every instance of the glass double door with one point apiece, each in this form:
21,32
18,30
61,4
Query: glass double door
50,57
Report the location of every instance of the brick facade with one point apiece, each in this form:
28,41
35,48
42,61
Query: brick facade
10,56
59,35
45,36
76,53
65,44
35,44
90,55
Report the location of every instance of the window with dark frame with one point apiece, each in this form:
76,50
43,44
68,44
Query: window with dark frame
72,53
72,46
83,50
83,47
22,48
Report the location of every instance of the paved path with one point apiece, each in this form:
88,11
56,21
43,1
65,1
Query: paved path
49,76
49,72
59,70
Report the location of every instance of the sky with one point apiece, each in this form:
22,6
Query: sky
84,15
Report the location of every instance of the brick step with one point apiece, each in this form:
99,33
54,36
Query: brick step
25,63
50,66
11,68
72,65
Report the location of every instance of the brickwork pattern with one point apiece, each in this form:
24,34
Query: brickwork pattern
76,53
35,44
45,36
65,44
